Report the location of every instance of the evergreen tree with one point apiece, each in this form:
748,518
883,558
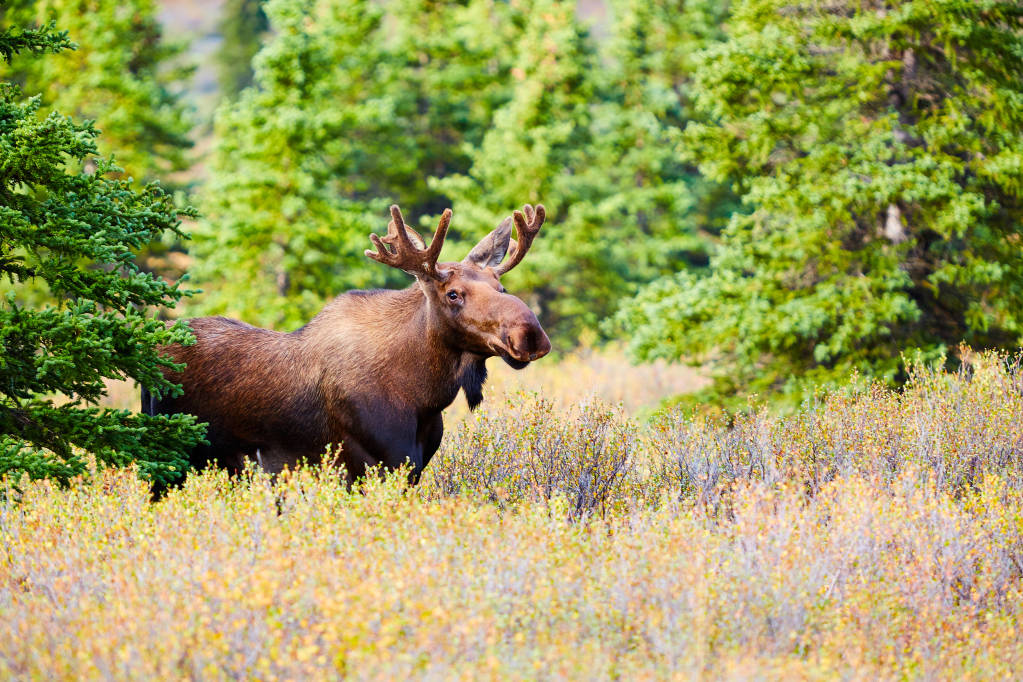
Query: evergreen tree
73,232
594,140
122,76
879,150
243,24
653,43
287,205
480,104
448,70
536,139
352,109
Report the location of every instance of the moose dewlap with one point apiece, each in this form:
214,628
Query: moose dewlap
373,370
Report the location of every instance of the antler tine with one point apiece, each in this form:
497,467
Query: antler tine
392,232
406,255
526,229
399,226
437,243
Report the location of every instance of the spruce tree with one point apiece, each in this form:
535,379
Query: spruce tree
72,233
879,150
243,24
448,69
123,75
592,136
354,105
479,104
533,142
287,207
652,48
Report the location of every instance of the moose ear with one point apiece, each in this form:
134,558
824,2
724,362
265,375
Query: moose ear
491,250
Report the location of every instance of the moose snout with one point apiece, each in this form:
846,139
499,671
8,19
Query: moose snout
527,342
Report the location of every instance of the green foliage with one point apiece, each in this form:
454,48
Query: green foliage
448,71
479,104
287,210
16,39
352,108
119,76
242,26
74,233
879,150
530,144
654,44
595,140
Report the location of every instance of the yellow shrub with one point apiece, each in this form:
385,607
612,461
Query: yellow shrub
872,535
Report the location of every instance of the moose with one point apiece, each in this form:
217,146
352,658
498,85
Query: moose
373,371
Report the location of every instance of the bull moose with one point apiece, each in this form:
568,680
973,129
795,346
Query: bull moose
372,371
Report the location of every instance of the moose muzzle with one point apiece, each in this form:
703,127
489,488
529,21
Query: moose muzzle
525,341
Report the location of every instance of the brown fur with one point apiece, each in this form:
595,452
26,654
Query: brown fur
372,371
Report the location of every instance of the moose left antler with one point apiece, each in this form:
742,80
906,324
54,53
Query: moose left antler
405,254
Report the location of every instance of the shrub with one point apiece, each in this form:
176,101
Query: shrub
526,450
220,580
952,427
874,534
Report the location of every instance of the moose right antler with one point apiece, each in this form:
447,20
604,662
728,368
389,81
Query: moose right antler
526,232
406,255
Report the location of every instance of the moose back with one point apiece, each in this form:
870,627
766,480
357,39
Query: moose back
372,371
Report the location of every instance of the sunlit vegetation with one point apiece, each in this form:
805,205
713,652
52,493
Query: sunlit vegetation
872,534
814,202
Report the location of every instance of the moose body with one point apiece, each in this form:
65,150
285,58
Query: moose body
372,372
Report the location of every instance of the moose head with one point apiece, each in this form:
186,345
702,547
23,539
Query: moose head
467,300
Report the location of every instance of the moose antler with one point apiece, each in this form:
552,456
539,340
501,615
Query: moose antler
526,229
392,236
406,255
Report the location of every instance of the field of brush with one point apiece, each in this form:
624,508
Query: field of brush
873,534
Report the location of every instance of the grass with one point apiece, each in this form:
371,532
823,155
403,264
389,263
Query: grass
873,534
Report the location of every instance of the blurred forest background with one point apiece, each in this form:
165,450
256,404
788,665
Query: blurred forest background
780,193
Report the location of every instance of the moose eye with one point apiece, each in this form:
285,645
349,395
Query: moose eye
453,295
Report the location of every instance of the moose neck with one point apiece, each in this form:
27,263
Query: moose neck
398,342
452,368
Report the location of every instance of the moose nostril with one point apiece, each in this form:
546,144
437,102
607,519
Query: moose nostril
526,342
542,345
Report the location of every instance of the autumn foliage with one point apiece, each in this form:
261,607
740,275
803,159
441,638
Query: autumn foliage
873,534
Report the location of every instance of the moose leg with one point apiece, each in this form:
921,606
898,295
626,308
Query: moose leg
429,436
271,460
356,460
274,458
